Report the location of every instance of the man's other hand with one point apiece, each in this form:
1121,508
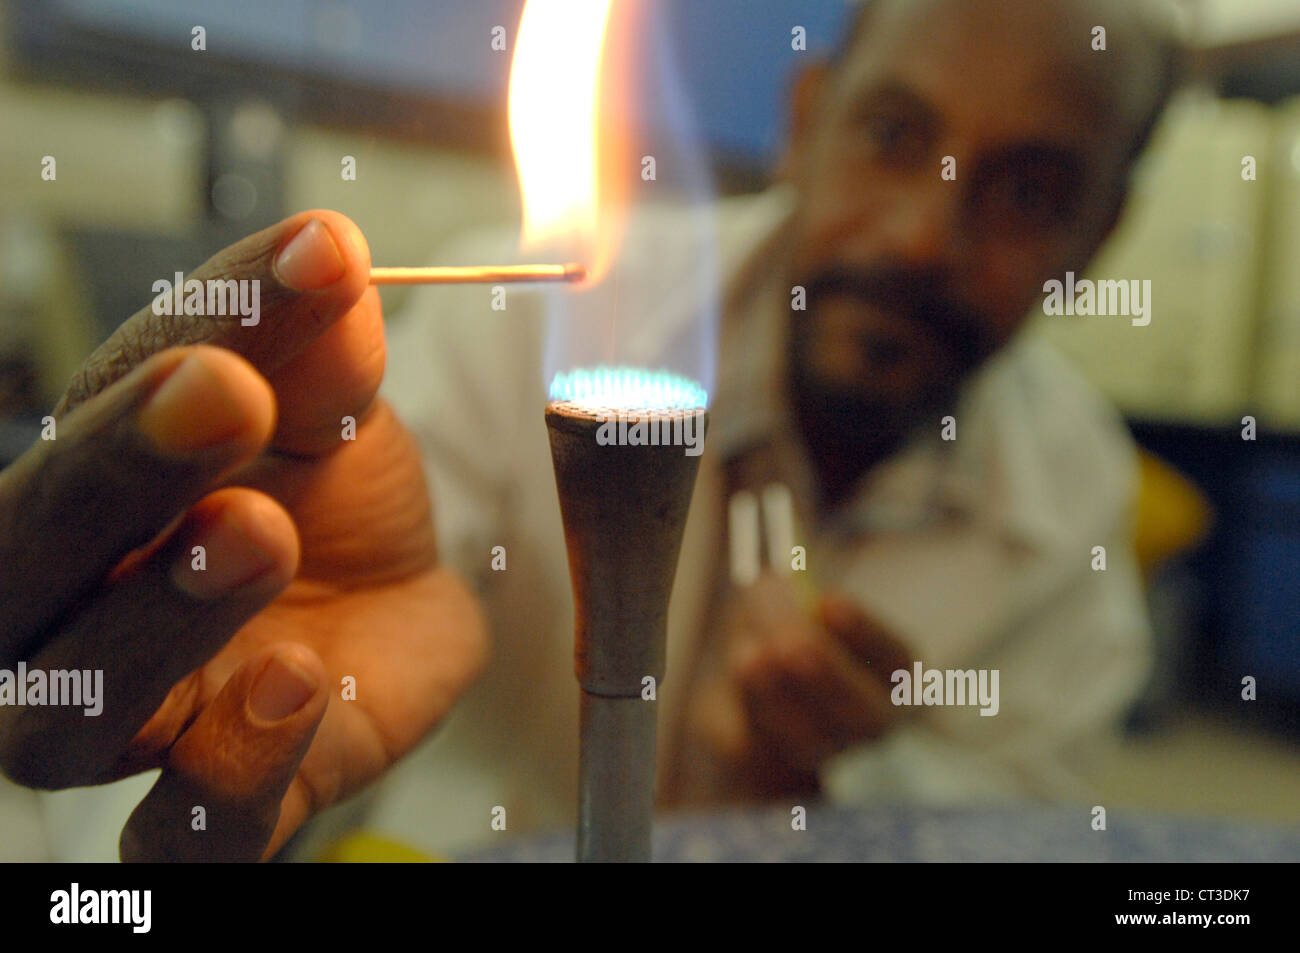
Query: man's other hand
794,688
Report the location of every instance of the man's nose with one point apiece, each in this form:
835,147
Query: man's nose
924,225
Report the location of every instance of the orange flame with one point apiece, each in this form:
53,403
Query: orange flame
567,135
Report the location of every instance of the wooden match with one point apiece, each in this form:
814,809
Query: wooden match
474,274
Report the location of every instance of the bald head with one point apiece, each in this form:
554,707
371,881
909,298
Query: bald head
1131,80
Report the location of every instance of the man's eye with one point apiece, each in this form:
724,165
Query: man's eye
892,137
1034,200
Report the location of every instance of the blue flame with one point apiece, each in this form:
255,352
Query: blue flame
633,388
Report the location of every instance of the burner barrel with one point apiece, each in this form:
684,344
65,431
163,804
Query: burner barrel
624,503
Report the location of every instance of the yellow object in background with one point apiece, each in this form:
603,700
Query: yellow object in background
366,848
1173,515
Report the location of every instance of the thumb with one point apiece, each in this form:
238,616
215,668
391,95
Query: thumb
219,795
299,276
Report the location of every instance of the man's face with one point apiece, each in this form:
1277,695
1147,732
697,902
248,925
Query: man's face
913,279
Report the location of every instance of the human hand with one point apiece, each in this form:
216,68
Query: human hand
792,689
191,430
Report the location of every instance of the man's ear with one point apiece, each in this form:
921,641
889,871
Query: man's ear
807,95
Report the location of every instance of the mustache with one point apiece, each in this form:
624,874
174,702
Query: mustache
915,295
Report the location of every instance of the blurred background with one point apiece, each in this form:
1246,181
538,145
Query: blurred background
164,153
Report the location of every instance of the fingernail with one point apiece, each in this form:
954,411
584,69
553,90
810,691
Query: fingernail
224,561
311,260
191,410
280,690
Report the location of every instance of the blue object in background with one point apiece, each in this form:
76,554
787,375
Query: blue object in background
1248,570
1266,592
735,57
737,62
413,45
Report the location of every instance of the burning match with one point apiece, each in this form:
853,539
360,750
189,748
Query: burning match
472,274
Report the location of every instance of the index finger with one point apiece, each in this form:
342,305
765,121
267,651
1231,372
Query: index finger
292,281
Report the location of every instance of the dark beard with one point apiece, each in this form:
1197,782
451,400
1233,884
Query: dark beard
845,435
846,431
